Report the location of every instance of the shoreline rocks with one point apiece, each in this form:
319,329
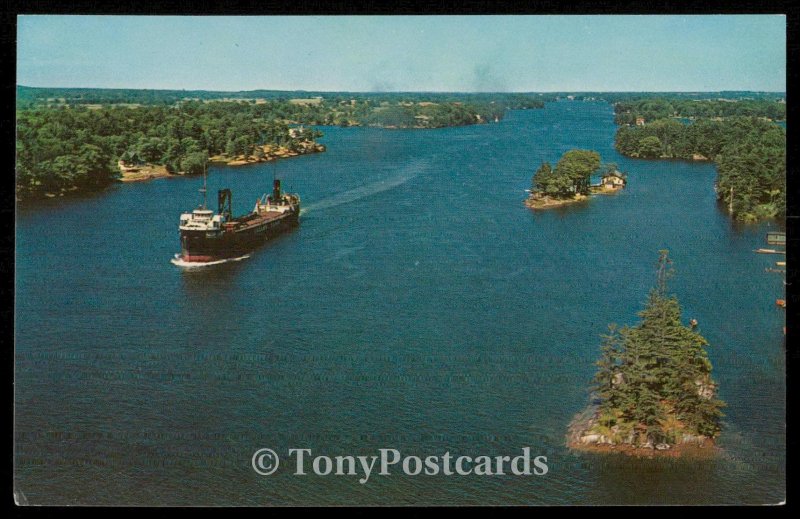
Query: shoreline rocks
144,172
546,202
269,153
583,437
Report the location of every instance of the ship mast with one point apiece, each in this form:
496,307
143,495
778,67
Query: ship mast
203,189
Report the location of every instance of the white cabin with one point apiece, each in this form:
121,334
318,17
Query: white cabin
201,220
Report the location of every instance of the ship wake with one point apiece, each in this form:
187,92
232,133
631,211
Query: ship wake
406,174
177,261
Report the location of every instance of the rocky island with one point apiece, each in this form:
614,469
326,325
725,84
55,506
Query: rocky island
653,394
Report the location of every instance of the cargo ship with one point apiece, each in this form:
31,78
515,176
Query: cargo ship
208,237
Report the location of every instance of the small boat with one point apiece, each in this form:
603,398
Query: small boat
781,303
769,251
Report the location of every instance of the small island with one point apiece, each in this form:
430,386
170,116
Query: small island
653,391
570,181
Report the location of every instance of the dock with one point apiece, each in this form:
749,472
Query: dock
776,238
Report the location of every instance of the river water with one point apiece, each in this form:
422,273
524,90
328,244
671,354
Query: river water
419,306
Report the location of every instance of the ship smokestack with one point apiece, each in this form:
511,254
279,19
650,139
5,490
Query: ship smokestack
276,191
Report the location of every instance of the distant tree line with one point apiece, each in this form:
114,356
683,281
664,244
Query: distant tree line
36,96
433,115
652,109
750,155
384,109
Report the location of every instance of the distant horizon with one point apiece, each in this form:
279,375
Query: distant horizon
409,91
449,53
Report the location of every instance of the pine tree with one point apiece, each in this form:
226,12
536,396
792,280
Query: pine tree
655,377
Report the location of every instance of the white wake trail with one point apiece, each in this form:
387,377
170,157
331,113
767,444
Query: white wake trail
199,264
379,186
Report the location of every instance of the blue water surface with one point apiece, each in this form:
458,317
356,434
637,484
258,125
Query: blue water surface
419,306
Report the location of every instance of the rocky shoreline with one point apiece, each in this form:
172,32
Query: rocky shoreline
140,173
538,202
584,436
268,152
545,202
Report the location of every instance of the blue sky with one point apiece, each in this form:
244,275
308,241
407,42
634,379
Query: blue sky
417,53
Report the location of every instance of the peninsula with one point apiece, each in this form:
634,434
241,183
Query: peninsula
741,136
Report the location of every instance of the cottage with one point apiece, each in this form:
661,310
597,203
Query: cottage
640,121
613,180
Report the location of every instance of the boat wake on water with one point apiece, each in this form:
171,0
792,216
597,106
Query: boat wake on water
373,188
177,261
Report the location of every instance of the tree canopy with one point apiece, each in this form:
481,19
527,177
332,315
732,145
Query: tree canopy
77,149
750,154
653,379
571,175
651,109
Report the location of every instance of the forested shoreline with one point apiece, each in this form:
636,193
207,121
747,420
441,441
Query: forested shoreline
63,150
73,140
749,152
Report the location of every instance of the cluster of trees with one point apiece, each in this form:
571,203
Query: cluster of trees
75,148
654,379
750,154
751,176
72,138
652,109
429,115
571,175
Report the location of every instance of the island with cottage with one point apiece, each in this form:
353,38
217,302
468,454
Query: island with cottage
570,181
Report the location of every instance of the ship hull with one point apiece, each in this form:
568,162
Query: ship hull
251,232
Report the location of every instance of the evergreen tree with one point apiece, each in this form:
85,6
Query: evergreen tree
655,378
